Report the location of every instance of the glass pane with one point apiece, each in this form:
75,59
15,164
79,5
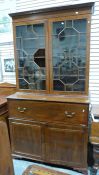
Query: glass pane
30,43
69,55
80,25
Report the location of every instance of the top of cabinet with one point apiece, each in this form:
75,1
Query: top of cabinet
48,97
53,9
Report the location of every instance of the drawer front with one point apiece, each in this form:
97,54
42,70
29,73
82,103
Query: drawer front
96,152
49,111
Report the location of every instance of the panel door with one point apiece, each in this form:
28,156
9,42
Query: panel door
26,139
66,146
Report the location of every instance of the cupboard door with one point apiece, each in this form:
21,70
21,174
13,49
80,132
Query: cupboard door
31,62
66,146
26,139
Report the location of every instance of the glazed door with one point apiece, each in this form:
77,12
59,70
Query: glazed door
31,56
69,55
26,139
66,146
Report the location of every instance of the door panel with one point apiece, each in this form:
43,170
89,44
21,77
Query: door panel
66,146
31,61
69,55
26,139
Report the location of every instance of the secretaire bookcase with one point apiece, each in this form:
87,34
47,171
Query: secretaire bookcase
48,116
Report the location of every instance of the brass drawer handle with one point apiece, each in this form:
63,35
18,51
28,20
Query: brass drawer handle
20,109
69,114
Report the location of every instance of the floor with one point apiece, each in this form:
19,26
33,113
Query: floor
21,165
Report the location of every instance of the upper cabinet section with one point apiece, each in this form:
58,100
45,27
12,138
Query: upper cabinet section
52,49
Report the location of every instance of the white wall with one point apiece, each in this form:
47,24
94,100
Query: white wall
24,5
6,40
94,56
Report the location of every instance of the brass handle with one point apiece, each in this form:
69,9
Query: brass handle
20,109
69,114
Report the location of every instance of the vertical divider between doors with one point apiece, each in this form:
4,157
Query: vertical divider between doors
47,56
50,56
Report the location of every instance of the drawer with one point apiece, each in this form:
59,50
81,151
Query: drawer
95,129
49,111
96,148
96,151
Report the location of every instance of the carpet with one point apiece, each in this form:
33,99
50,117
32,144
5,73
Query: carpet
39,170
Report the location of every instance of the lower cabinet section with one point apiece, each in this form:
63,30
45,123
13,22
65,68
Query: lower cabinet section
50,142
